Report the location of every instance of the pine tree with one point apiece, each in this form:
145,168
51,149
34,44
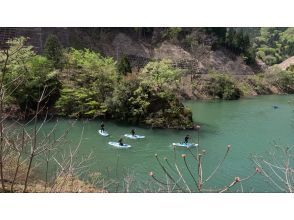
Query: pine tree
124,66
53,51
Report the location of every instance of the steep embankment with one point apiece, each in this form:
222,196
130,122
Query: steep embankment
194,64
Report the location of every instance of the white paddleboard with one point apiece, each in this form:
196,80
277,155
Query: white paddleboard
117,145
136,136
185,145
103,133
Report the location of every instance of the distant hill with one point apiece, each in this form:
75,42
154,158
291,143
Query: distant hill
197,50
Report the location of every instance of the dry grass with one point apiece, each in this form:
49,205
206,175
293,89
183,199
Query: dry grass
62,184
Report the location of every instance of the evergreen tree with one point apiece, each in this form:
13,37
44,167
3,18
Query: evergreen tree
220,32
239,46
53,51
230,39
124,66
246,42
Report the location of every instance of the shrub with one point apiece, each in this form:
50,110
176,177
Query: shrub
223,86
291,68
285,81
259,85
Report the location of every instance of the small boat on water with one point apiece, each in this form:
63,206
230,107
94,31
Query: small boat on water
103,133
188,145
136,136
117,145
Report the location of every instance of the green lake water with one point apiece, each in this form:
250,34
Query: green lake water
250,125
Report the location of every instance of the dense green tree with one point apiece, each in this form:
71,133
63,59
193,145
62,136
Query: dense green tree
223,87
161,75
274,45
91,82
53,51
29,75
39,77
172,33
239,43
231,38
145,32
220,32
149,99
124,66
138,102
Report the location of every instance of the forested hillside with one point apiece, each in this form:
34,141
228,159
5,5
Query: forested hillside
141,75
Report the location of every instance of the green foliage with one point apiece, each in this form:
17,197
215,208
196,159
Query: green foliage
285,81
28,75
138,102
168,111
79,102
145,32
95,89
172,33
237,41
149,98
39,76
291,68
19,54
124,66
92,82
131,101
287,39
220,32
53,51
275,44
259,84
160,75
223,87
249,56
89,85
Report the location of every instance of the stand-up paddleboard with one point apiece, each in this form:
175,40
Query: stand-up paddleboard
117,145
103,133
185,145
136,136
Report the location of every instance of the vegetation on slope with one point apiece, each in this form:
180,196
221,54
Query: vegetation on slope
224,86
274,45
89,86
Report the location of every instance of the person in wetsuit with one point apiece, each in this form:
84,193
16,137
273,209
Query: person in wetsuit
120,141
102,126
186,139
133,132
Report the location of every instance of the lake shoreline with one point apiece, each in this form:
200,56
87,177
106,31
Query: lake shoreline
14,113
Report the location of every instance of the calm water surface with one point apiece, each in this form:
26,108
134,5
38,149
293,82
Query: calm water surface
251,126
